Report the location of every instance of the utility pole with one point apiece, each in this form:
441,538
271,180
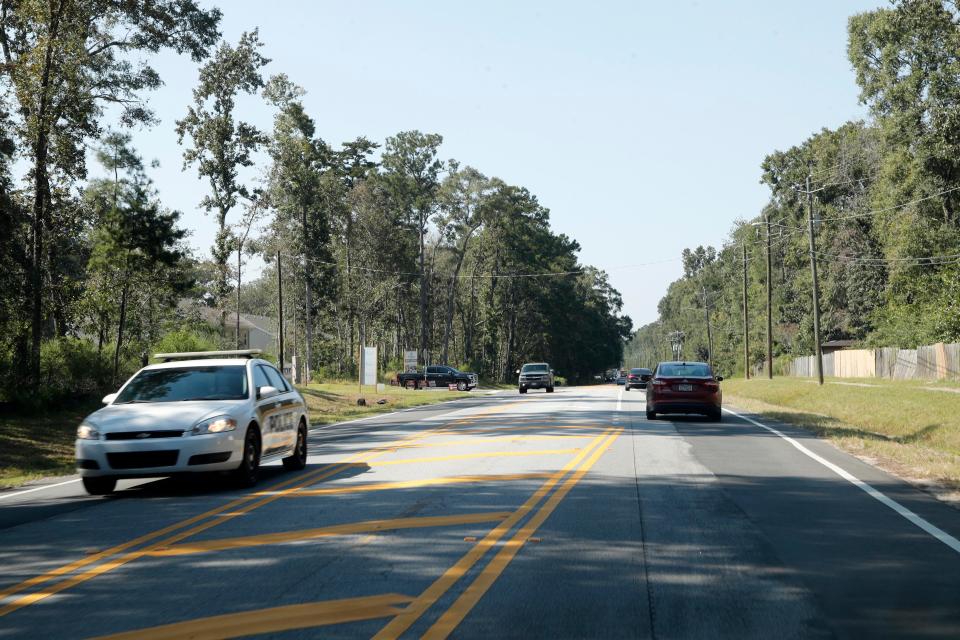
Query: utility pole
769,304
676,341
239,257
746,318
816,290
706,319
308,301
280,311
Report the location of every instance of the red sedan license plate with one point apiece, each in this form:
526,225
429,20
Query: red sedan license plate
684,387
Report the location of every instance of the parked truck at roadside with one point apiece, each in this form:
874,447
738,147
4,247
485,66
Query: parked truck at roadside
438,376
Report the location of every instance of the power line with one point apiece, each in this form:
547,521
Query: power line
827,169
543,274
892,208
918,260
839,184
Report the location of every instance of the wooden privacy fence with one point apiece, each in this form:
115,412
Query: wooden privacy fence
933,362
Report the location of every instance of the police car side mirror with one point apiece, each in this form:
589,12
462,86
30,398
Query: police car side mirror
267,392
517,371
110,397
719,378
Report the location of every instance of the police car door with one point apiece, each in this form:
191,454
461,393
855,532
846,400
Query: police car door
268,412
289,403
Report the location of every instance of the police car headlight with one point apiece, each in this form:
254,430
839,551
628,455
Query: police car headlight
217,424
87,432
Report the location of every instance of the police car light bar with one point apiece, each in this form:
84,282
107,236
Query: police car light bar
194,355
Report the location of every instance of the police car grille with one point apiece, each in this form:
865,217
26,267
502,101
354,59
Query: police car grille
142,459
143,435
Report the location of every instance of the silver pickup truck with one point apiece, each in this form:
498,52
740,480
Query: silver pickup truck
535,375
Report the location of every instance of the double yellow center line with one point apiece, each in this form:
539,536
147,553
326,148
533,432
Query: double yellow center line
455,614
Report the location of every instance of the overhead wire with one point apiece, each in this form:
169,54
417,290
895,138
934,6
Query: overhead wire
542,274
917,260
783,239
867,214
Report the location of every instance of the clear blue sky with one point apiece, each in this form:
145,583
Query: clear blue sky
641,125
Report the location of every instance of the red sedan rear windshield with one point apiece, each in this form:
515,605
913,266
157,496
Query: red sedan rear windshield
684,371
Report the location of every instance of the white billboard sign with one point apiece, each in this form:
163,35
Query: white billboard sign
410,361
368,366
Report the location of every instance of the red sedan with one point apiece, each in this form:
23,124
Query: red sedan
684,387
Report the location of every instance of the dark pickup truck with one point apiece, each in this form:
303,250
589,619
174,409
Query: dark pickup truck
438,376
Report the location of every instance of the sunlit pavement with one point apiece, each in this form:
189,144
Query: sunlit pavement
564,515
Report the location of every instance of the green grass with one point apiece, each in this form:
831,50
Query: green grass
911,431
337,401
883,382
37,446
41,445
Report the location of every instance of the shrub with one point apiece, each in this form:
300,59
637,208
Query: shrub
781,364
71,369
186,340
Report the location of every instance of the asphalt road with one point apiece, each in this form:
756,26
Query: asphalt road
566,515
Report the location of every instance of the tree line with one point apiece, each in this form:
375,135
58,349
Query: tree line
388,245
885,198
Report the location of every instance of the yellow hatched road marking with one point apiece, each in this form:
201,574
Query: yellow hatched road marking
524,427
481,454
333,530
297,616
441,585
407,484
223,512
469,598
508,438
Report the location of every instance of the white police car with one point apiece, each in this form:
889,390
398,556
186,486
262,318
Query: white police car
195,412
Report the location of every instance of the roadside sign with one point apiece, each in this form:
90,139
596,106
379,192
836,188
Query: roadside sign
368,366
410,361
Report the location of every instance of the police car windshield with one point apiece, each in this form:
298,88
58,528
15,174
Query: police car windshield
180,384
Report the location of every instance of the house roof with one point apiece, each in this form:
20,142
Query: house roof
838,344
267,324
264,323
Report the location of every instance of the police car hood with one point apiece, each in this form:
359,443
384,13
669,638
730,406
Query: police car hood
156,416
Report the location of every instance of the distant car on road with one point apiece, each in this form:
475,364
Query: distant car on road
535,375
195,412
684,387
638,378
439,376
622,377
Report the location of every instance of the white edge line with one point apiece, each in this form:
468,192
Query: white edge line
4,496
619,399
909,515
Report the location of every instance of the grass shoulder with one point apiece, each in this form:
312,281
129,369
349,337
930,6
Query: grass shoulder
36,445
903,428
337,401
